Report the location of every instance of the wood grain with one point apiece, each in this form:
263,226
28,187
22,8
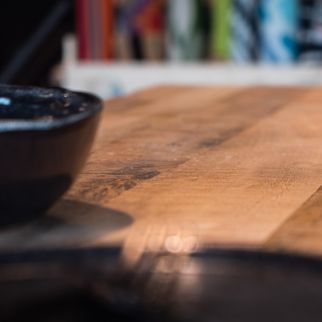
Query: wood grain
302,231
178,168
240,191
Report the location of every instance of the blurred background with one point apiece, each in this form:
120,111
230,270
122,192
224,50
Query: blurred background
114,47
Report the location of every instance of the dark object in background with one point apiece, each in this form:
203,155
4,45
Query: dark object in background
31,36
310,31
211,286
45,138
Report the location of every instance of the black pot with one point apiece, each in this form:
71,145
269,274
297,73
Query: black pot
215,285
45,137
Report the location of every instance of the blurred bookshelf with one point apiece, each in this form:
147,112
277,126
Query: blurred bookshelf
121,46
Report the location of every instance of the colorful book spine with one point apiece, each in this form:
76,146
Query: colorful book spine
310,31
95,29
107,14
82,29
221,29
278,30
244,29
184,31
128,28
150,23
123,48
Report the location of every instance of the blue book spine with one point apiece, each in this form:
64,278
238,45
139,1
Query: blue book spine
244,28
279,20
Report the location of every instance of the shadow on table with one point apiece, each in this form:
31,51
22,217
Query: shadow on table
69,223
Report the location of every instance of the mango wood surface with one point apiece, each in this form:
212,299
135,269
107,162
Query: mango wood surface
179,168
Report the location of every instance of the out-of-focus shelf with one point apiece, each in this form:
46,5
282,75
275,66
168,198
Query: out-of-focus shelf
114,79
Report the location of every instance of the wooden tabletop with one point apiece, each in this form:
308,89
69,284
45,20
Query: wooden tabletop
181,168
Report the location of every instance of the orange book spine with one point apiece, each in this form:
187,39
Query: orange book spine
107,29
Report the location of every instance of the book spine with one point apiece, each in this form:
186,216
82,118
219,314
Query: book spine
150,25
278,31
310,31
82,30
123,50
221,29
89,29
184,34
106,8
96,29
206,25
244,28
129,38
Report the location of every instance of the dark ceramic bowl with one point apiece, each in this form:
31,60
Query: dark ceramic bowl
45,137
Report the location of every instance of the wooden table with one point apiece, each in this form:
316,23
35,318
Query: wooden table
181,168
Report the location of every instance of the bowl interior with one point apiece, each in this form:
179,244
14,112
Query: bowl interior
32,103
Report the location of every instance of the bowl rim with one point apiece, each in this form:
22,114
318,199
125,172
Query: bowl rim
18,125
